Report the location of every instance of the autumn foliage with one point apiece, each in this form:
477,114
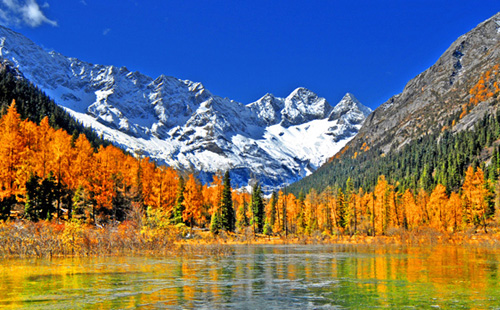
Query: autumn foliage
49,174
486,87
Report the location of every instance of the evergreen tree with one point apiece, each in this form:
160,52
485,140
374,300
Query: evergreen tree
258,208
216,223
40,197
243,220
179,203
32,202
228,217
272,212
49,192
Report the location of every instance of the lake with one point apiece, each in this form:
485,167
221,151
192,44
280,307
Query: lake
262,277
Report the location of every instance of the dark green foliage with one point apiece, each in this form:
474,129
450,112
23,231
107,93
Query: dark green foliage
440,157
243,221
273,203
341,208
121,203
257,208
41,195
216,223
5,207
179,203
228,217
78,202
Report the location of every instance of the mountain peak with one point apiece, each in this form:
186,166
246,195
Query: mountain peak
303,105
350,102
350,96
268,109
181,124
303,94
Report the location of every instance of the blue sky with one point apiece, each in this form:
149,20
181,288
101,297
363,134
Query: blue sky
244,49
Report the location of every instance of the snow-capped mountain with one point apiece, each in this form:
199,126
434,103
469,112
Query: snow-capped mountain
180,123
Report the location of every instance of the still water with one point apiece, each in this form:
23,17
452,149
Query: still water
262,277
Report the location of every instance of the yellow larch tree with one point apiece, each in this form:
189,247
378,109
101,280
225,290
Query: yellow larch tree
193,201
63,157
381,204
102,184
437,207
455,212
281,213
422,200
12,146
149,182
310,211
43,153
413,214
474,195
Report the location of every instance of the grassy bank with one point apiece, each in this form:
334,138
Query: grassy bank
49,238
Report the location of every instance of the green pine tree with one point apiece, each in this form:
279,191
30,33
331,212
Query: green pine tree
273,203
258,208
216,223
228,217
179,206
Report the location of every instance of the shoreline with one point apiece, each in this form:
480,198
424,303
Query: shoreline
23,239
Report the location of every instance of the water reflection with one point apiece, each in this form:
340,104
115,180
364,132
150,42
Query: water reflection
265,277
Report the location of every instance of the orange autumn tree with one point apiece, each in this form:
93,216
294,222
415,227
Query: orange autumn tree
310,212
486,87
455,212
170,179
12,146
280,213
422,199
102,184
63,159
291,210
475,195
80,176
437,207
325,215
193,201
213,195
149,183
42,152
413,214
381,205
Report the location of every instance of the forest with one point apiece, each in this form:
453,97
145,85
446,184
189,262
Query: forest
48,174
440,182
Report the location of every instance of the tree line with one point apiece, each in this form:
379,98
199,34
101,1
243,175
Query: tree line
440,180
48,174
53,175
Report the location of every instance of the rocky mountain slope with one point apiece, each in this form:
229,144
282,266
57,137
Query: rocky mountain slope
453,95
180,123
431,98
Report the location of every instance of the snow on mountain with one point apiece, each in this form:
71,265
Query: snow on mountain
181,124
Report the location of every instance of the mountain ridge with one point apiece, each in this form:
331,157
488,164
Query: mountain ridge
466,58
182,124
